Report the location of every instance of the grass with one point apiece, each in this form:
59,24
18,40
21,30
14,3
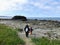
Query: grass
45,41
8,36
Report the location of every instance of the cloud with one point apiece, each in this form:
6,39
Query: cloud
33,7
12,4
46,4
19,4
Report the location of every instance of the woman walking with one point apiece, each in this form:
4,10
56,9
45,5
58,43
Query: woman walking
26,29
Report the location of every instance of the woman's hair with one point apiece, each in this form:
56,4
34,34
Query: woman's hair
27,26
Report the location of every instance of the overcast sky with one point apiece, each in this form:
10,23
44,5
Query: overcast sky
30,8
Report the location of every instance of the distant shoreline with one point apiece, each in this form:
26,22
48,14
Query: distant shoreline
44,18
35,18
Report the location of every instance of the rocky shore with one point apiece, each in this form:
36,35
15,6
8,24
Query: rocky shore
42,28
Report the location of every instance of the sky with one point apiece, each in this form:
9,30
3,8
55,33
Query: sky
30,8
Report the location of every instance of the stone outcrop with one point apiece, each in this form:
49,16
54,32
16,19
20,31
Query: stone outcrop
23,18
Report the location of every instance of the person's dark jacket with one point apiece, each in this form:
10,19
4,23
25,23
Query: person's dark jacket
26,27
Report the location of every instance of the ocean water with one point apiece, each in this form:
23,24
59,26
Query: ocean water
5,17
45,18
33,18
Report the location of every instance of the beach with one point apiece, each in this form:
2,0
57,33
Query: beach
41,28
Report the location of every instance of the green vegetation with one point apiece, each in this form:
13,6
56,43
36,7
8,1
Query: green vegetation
8,36
45,41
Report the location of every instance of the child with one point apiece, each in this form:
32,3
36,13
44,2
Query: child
31,30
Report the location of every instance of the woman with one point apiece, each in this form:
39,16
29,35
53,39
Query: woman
26,29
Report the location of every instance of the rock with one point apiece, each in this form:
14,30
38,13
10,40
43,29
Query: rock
23,18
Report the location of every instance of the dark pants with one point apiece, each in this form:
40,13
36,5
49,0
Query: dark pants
27,34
